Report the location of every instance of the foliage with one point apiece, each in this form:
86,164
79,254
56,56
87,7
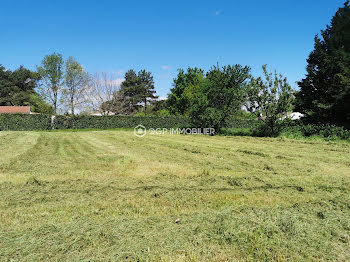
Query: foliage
18,122
106,122
17,87
43,122
325,92
218,96
136,89
326,131
235,122
236,131
270,100
38,105
52,77
184,84
76,83
157,108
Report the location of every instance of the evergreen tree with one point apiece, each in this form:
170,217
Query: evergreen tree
136,91
16,87
146,88
325,92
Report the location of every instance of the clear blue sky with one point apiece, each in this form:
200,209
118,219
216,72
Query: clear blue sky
162,36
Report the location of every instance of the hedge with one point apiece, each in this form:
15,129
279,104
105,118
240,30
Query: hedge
25,122
106,122
43,122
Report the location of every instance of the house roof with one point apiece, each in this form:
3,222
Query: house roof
14,109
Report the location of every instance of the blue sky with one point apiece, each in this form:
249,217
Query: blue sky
162,36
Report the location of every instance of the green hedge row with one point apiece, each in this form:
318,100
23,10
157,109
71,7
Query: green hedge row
106,122
24,122
43,122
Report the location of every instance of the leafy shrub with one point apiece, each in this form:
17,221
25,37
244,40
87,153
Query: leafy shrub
324,131
234,122
24,122
263,129
236,132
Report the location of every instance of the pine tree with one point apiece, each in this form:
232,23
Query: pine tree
325,92
136,91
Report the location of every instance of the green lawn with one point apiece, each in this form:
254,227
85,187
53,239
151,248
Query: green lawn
108,195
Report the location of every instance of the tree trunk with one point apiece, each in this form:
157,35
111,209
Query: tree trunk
72,105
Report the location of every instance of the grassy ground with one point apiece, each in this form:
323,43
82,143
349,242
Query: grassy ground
108,195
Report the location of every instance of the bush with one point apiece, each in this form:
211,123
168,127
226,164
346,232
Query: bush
236,132
325,131
24,122
235,122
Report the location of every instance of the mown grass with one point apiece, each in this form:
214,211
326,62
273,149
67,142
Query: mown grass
110,196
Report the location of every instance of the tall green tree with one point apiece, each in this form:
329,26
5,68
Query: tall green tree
16,87
270,99
325,91
52,76
137,90
184,84
130,93
146,82
218,96
76,83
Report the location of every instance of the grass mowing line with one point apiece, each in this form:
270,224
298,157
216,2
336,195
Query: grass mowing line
109,196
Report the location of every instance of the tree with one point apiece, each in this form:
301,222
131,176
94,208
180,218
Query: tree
269,99
136,89
101,93
325,91
146,82
218,96
38,105
76,83
130,92
178,99
52,76
17,86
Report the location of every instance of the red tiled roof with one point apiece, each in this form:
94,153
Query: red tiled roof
14,109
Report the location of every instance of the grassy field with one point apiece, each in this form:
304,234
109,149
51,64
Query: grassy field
109,196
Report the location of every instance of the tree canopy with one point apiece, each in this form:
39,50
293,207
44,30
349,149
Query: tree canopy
179,98
18,88
52,75
325,91
218,96
137,90
76,84
269,99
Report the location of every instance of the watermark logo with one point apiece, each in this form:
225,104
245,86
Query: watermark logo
140,131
